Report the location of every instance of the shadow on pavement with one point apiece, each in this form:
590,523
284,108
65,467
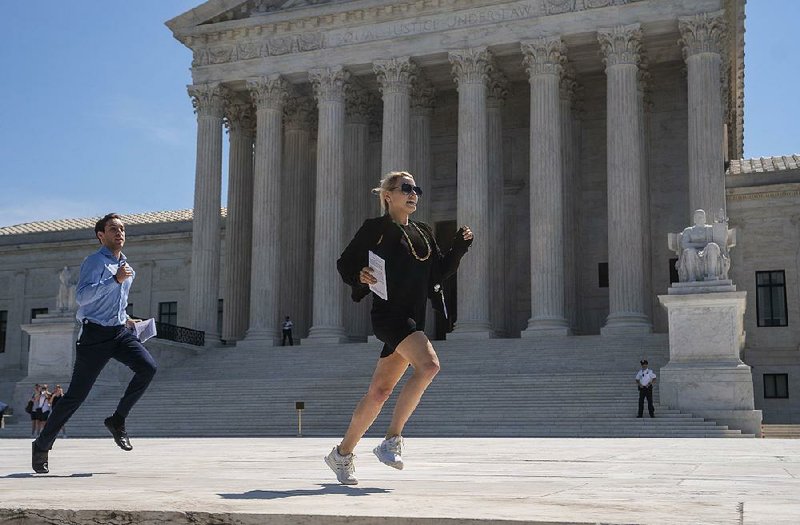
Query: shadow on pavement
328,488
22,475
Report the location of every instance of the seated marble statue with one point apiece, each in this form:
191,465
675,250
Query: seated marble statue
703,249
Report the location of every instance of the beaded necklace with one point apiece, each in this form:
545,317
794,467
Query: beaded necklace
411,244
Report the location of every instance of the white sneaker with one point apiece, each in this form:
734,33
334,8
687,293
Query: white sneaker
390,452
342,466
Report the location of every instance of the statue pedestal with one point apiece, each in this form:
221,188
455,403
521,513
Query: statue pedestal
52,347
705,375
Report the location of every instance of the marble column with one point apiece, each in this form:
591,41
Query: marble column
394,78
570,194
420,164
645,107
543,61
703,38
269,95
359,203
297,214
496,96
621,48
239,223
329,89
471,71
17,316
208,101
423,96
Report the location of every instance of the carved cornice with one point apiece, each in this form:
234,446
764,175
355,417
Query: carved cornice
330,84
471,66
497,89
395,75
208,100
621,45
239,116
543,56
259,37
703,33
298,112
269,92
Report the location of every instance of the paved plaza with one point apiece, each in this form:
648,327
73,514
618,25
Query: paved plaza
284,481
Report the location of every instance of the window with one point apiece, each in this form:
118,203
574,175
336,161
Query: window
602,275
673,271
776,386
168,313
3,329
771,298
36,312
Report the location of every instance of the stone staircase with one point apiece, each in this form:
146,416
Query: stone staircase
780,431
556,387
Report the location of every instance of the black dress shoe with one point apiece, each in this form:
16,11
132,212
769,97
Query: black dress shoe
39,460
119,433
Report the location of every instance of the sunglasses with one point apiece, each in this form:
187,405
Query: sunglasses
407,188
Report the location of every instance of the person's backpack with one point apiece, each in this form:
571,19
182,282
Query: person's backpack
29,407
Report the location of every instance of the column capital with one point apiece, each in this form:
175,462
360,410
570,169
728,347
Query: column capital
703,33
621,45
239,116
330,83
298,112
423,94
268,92
544,56
471,66
497,89
359,103
208,99
395,75
568,85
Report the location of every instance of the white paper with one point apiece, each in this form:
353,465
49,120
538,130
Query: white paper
145,329
378,266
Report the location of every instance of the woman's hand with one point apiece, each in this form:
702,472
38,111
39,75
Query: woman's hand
366,277
466,233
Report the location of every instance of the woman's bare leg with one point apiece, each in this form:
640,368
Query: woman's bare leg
417,350
387,373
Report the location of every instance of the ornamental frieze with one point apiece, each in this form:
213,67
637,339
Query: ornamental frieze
309,33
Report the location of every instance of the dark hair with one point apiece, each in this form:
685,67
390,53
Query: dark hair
100,226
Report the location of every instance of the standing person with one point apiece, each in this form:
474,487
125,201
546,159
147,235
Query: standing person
645,379
106,333
414,269
58,393
42,409
287,331
30,408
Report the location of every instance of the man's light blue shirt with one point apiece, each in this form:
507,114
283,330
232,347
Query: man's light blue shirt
101,299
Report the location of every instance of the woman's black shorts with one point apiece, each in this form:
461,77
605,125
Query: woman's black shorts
392,331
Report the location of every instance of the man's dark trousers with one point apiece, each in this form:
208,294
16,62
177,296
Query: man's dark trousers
644,392
287,333
96,345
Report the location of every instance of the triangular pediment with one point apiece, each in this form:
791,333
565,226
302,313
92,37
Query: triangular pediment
217,11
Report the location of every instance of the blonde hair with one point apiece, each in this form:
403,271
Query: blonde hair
387,184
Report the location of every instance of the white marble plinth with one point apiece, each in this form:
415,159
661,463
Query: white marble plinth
705,375
702,287
52,346
471,332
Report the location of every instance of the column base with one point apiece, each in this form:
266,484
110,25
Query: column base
545,327
326,335
373,340
257,339
470,330
625,323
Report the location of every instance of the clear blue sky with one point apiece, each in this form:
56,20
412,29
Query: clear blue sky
96,116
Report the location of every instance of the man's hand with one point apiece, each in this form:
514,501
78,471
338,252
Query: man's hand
123,272
366,277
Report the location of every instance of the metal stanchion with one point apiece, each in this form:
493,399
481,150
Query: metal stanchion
299,406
